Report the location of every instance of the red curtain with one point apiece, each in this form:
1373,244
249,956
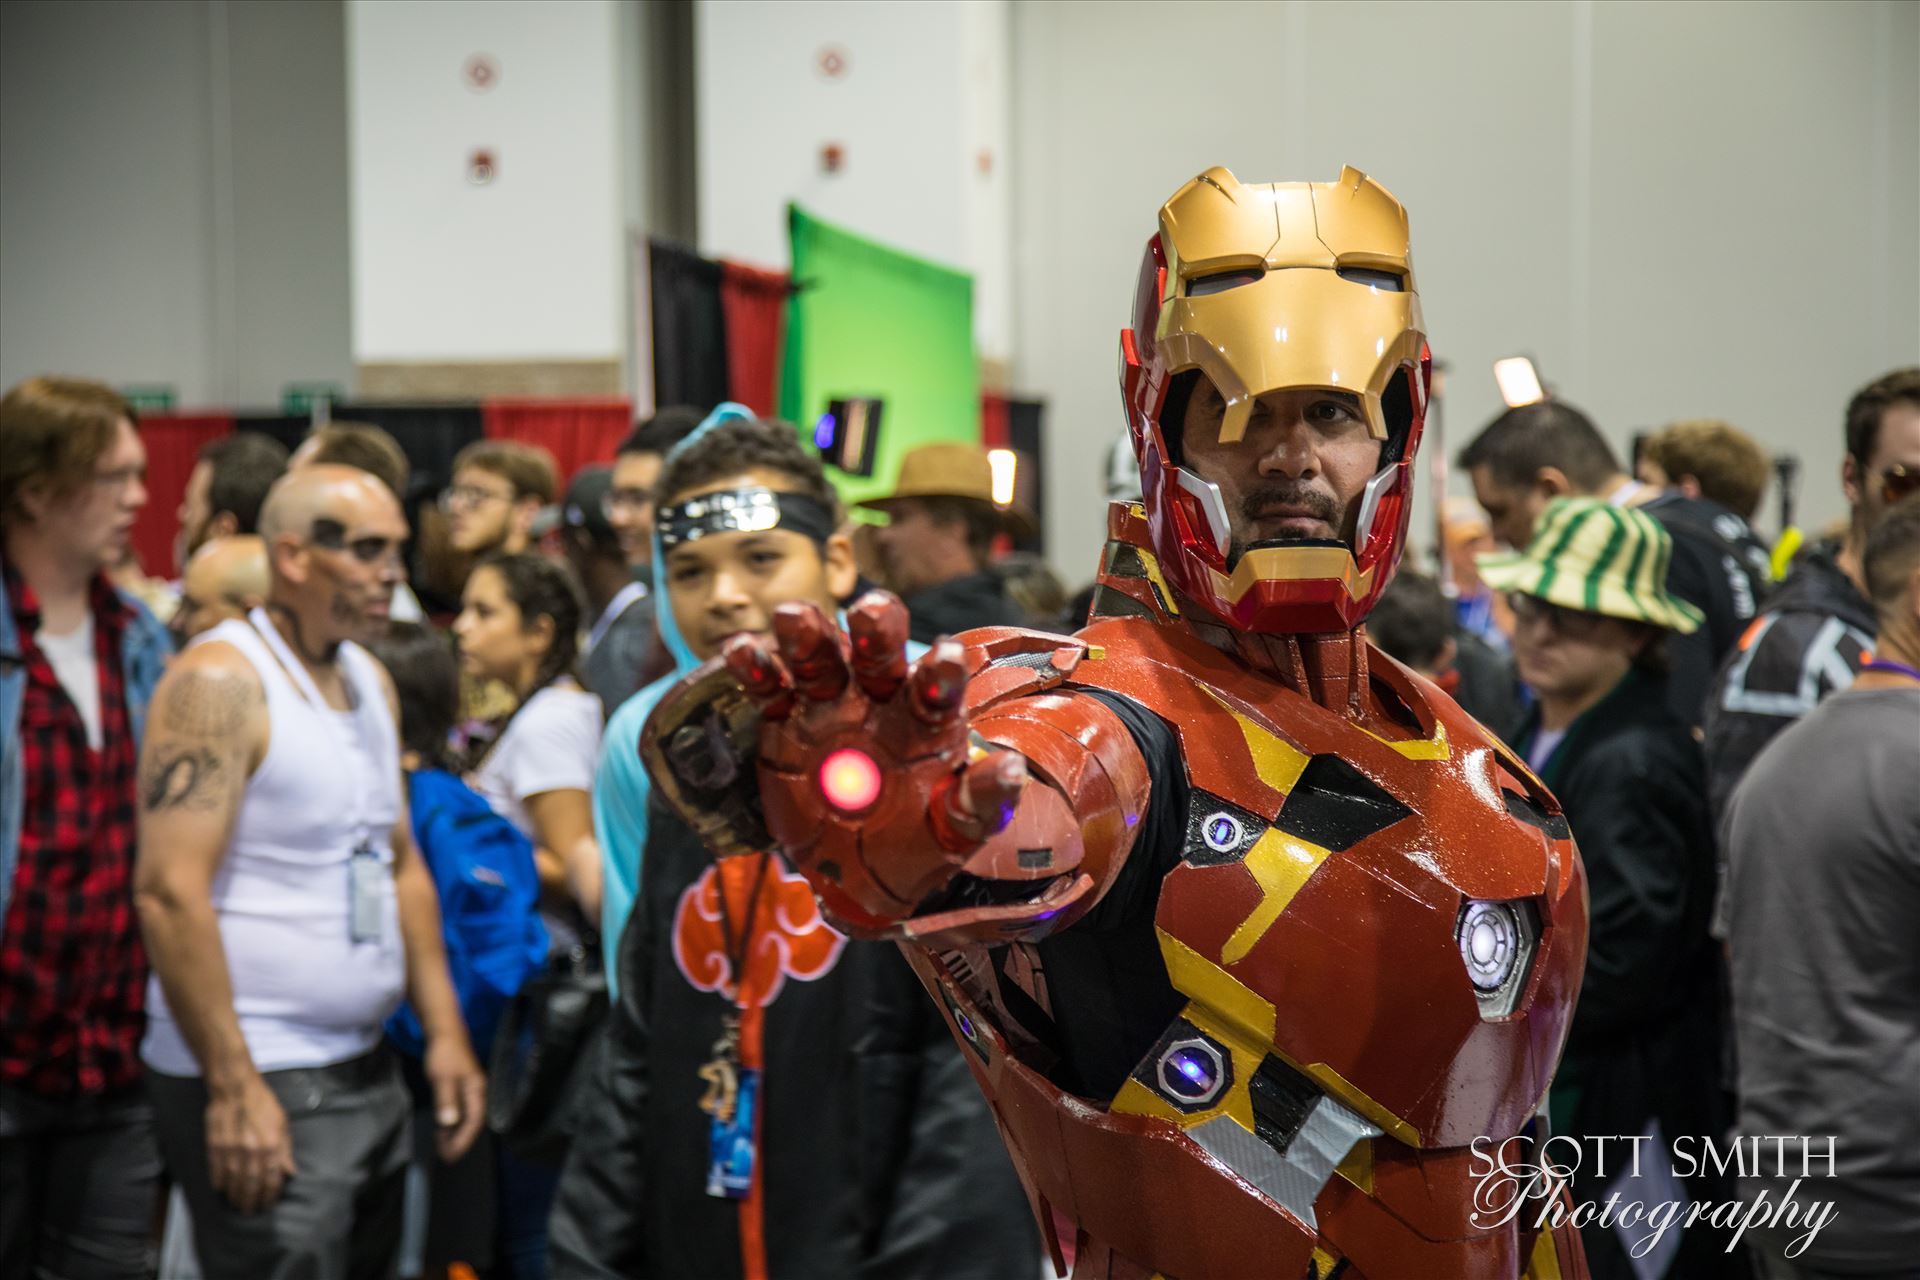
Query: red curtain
578,433
995,431
754,303
173,446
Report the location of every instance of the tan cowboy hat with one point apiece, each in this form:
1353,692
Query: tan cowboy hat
953,470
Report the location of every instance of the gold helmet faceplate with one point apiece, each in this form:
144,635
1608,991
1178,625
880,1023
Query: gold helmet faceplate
1264,288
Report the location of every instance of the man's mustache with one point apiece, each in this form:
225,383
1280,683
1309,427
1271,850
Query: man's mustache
1300,495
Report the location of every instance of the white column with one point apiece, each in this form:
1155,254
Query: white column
488,188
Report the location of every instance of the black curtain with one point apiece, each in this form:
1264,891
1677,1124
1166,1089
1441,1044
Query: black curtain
689,327
1024,431
430,435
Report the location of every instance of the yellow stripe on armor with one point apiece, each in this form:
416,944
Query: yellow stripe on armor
1277,762
1226,1010
1338,1085
1245,1021
1434,748
1323,1263
1136,1099
1357,1168
1151,564
1206,983
1281,864
1545,1262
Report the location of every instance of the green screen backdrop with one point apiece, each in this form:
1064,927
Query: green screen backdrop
872,321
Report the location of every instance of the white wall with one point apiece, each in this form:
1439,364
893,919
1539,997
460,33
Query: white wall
173,195
1679,209
530,266
923,95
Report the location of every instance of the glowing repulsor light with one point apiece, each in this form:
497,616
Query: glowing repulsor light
849,779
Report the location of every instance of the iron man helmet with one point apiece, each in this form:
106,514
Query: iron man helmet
1263,288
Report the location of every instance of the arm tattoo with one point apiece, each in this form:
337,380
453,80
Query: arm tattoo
182,778
194,743
204,706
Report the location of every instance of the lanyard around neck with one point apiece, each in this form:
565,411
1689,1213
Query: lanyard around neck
309,692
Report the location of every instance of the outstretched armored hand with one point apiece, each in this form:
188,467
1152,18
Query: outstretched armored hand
869,779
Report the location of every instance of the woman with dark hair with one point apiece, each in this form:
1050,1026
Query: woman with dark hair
519,624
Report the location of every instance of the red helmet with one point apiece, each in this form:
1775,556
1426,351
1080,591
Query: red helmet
1259,289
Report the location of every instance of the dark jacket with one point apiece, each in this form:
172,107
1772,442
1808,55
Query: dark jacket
622,662
1485,685
960,604
877,1155
1720,567
1645,1040
1810,640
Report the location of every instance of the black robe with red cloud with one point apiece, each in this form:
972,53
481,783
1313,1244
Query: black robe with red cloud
877,1156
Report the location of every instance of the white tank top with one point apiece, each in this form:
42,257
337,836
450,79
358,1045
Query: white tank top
305,992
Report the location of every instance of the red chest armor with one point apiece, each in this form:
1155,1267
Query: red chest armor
1378,924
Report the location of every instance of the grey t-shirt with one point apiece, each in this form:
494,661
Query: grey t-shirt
1823,915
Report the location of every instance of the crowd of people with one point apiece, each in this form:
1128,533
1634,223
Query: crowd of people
284,859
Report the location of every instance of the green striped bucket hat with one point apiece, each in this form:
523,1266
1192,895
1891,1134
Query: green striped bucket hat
1591,555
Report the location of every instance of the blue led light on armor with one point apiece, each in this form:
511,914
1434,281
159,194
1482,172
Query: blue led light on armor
823,431
1195,1068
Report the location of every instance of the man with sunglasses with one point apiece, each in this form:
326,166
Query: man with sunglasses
1823,846
1593,616
1818,628
286,909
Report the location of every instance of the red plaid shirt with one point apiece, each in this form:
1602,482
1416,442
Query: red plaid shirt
73,972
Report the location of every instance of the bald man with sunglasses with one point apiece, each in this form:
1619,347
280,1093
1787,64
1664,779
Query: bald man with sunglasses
287,911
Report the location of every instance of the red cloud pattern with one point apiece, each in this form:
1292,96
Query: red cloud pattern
790,939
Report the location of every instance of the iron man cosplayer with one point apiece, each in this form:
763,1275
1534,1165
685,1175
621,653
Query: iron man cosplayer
1248,931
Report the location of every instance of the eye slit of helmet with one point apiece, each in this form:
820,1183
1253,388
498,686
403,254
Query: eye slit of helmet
1390,281
1173,412
1396,406
1221,281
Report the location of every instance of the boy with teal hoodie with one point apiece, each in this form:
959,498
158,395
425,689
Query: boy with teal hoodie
772,1099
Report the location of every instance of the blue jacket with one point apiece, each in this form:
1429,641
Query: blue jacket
144,650
489,893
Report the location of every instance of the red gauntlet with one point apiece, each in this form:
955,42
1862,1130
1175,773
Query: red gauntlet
885,783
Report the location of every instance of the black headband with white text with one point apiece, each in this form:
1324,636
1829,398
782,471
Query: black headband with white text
751,510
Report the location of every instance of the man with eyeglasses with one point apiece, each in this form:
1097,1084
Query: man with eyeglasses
79,1170
1818,629
499,487
287,910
